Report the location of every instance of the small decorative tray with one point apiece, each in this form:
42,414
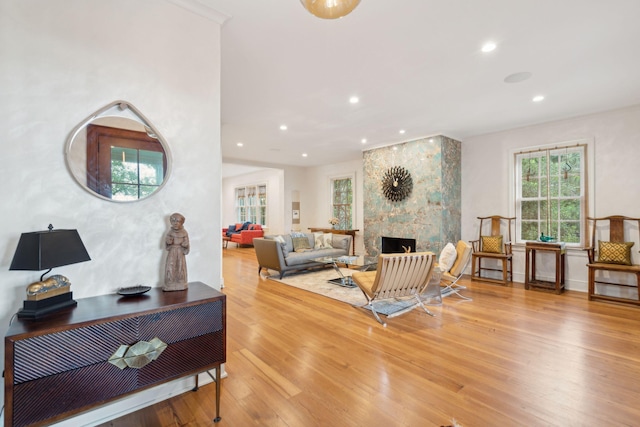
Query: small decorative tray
134,290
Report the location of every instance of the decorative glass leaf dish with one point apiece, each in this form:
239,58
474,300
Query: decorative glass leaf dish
133,290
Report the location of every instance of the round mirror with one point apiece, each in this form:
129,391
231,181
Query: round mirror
118,155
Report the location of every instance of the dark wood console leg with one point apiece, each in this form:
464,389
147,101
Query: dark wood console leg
196,387
217,380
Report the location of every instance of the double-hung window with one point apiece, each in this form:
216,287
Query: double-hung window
342,202
551,193
251,204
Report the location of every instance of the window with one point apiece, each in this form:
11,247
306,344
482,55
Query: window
251,204
124,164
551,194
342,202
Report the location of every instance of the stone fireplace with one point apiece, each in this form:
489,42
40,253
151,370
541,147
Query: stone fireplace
431,213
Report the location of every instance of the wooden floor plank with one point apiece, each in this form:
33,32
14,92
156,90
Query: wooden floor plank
510,357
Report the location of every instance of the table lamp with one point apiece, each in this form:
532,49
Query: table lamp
45,250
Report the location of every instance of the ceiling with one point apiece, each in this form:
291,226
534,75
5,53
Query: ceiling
415,65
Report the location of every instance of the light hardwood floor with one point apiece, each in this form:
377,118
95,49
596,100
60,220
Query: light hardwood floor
508,358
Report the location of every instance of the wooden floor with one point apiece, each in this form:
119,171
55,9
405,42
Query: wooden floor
508,358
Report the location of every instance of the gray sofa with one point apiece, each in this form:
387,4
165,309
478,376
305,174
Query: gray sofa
275,255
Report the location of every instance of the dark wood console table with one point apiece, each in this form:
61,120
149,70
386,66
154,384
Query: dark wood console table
559,251
352,233
59,365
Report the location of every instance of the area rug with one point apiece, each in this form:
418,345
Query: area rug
318,282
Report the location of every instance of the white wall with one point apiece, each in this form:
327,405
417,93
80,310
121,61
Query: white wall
485,174
60,61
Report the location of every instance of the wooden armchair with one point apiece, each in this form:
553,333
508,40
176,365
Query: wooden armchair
613,255
494,243
397,276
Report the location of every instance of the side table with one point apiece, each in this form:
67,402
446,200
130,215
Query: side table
530,260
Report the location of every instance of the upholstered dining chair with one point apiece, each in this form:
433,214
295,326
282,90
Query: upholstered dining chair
494,243
396,276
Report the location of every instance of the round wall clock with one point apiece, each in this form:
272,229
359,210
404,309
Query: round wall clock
397,184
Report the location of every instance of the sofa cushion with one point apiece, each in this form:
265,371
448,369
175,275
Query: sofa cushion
301,244
283,245
327,241
340,241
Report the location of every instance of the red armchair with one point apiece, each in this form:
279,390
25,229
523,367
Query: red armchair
244,237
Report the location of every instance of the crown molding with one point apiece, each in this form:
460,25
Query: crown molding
199,8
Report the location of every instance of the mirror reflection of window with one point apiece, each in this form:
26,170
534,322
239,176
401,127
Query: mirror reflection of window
124,164
135,174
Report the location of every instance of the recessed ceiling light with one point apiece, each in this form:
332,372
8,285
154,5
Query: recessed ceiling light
395,148
402,131
431,140
518,77
488,47
363,140
304,154
538,98
354,100
283,127
240,144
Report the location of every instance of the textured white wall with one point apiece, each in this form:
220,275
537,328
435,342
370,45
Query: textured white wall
486,177
60,61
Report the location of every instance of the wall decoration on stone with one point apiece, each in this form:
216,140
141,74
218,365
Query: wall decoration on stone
397,184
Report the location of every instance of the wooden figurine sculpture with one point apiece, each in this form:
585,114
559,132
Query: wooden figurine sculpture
177,244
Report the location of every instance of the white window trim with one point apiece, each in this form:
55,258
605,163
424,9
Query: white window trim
590,175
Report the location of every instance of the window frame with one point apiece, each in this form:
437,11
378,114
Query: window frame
587,183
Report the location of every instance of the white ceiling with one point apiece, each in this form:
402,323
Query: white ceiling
415,65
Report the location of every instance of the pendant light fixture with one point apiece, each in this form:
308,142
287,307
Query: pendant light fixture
330,9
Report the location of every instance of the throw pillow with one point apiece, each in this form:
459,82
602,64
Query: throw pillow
301,244
463,249
447,257
231,230
340,241
614,253
238,226
317,239
245,226
327,241
492,244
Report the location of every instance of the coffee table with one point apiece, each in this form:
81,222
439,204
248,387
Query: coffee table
363,263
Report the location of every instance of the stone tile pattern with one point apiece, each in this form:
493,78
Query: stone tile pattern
431,213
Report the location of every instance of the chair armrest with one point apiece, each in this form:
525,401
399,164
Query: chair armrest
591,253
508,249
475,245
269,253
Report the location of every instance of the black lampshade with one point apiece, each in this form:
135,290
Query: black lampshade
42,250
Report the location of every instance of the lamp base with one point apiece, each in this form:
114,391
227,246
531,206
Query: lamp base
41,308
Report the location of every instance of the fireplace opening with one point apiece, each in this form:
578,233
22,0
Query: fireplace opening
397,245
